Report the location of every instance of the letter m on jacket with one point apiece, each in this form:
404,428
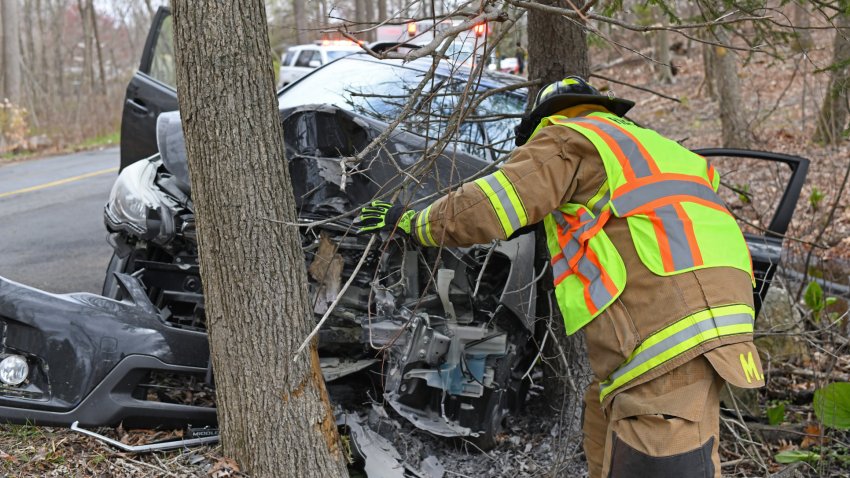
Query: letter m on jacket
751,370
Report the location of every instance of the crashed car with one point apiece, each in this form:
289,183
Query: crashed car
447,334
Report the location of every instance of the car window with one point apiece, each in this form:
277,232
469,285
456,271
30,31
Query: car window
287,60
334,54
306,57
162,63
380,90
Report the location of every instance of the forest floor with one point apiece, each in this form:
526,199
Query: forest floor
803,349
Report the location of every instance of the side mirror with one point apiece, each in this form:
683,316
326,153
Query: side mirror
314,64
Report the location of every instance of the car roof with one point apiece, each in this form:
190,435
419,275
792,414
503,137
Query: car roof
489,79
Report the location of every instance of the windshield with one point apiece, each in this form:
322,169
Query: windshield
379,90
334,54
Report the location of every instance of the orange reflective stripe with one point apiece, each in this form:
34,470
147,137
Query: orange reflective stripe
689,234
628,172
661,238
646,156
660,177
605,278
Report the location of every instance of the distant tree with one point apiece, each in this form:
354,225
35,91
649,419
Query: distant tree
833,114
724,70
11,67
274,413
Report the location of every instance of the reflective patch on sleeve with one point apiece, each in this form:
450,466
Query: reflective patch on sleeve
505,201
422,228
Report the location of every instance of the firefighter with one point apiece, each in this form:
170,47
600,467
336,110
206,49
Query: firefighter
645,258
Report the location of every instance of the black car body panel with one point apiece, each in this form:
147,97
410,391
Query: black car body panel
146,97
86,355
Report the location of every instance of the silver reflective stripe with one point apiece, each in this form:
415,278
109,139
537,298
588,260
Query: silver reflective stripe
507,205
598,293
559,218
679,337
603,201
560,267
627,145
638,197
674,229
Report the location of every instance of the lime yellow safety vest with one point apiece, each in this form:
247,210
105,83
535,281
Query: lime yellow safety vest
668,196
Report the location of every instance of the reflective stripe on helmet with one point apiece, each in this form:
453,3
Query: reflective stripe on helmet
505,201
678,338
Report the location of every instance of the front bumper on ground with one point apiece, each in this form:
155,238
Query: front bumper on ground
88,355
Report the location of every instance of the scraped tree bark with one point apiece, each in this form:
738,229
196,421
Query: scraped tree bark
833,114
274,413
11,68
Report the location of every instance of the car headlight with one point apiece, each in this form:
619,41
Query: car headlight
134,200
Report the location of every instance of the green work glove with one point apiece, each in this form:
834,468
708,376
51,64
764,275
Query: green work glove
383,216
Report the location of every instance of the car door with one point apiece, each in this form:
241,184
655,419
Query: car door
151,91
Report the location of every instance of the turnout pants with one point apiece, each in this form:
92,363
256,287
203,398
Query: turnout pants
667,427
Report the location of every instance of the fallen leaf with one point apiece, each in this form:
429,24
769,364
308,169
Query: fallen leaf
814,436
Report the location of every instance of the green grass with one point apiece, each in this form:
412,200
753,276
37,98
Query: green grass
98,141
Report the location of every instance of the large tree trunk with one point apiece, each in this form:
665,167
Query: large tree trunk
274,412
833,114
551,61
11,51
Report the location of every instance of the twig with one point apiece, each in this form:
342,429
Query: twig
601,77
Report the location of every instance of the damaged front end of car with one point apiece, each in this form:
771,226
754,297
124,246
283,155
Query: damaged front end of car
445,335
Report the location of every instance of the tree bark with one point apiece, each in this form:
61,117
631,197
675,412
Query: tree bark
274,412
664,67
97,46
300,22
733,123
833,114
11,51
551,61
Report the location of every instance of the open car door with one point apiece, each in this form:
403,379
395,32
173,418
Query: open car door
151,91
762,197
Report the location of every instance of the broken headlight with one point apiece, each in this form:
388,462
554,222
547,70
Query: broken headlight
137,206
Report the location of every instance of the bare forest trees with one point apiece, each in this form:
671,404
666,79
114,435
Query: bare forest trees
11,84
832,120
274,412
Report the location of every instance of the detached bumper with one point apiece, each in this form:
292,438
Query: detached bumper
88,355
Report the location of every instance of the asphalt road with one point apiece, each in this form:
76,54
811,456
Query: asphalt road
51,220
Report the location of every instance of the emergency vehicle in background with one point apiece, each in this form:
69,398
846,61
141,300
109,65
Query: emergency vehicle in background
302,59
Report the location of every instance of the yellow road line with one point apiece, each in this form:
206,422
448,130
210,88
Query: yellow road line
57,183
